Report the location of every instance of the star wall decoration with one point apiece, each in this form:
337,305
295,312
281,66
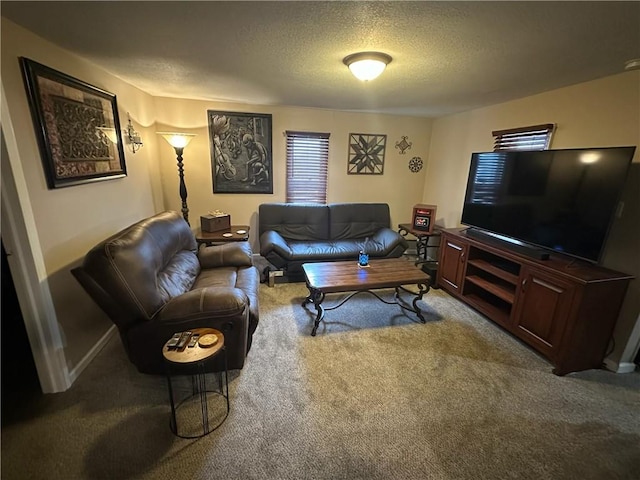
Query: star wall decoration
366,154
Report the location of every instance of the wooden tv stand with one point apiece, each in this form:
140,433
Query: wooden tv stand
564,308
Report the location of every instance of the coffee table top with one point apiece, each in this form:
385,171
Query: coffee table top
348,276
196,353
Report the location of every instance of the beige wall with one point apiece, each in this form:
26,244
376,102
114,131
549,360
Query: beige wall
71,220
398,186
600,113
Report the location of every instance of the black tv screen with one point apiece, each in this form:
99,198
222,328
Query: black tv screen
562,200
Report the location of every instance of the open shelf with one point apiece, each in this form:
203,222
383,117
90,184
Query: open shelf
498,313
495,270
494,288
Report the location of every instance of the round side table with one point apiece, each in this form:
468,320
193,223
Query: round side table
193,361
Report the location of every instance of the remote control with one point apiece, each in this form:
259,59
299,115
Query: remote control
194,340
183,340
174,340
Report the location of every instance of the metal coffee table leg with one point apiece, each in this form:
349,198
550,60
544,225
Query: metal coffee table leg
422,289
316,297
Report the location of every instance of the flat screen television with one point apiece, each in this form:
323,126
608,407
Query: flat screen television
559,200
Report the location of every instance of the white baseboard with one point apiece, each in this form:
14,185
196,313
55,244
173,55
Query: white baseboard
622,367
91,354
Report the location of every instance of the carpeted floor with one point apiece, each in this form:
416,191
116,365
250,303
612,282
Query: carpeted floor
376,395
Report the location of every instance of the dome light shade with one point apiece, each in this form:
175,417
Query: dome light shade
366,66
177,140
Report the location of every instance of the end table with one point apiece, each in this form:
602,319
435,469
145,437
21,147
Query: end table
235,233
429,264
193,361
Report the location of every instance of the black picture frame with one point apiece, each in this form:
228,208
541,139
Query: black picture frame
241,152
76,125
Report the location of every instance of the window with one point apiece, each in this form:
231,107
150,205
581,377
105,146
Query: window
307,160
535,137
491,169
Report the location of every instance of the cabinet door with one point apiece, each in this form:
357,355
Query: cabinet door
452,263
542,309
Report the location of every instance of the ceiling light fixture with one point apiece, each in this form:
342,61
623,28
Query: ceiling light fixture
366,66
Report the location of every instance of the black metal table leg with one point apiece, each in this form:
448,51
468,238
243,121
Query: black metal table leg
200,392
316,297
422,289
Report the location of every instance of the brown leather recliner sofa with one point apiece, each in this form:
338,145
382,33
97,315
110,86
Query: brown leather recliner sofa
152,281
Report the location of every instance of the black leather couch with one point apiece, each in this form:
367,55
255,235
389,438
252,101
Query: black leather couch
293,234
152,281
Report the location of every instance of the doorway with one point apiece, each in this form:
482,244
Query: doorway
20,384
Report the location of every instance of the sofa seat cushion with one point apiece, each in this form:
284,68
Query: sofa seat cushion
381,244
328,250
217,277
243,278
201,303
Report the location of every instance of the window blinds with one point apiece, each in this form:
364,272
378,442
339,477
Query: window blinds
307,162
535,137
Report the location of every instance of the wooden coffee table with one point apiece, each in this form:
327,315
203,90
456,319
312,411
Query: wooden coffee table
335,277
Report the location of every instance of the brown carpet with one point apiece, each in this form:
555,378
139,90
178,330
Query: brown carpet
376,395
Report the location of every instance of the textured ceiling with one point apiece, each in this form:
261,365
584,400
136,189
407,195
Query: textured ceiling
447,56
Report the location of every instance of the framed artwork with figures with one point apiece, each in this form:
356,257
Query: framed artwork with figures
241,152
77,127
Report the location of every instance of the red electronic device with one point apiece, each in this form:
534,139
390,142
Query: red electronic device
424,218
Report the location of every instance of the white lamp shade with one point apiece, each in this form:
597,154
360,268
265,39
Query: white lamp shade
176,139
366,66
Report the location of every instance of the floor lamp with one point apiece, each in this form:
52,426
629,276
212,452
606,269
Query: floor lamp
179,141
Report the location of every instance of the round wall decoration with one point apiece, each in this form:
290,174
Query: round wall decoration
415,164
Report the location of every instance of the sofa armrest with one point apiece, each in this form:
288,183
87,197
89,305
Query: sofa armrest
209,303
389,240
232,254
272,241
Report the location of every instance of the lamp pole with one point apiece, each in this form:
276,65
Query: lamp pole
178,141
183,187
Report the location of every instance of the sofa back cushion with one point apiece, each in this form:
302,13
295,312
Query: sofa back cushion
295,221
357,220
145,265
